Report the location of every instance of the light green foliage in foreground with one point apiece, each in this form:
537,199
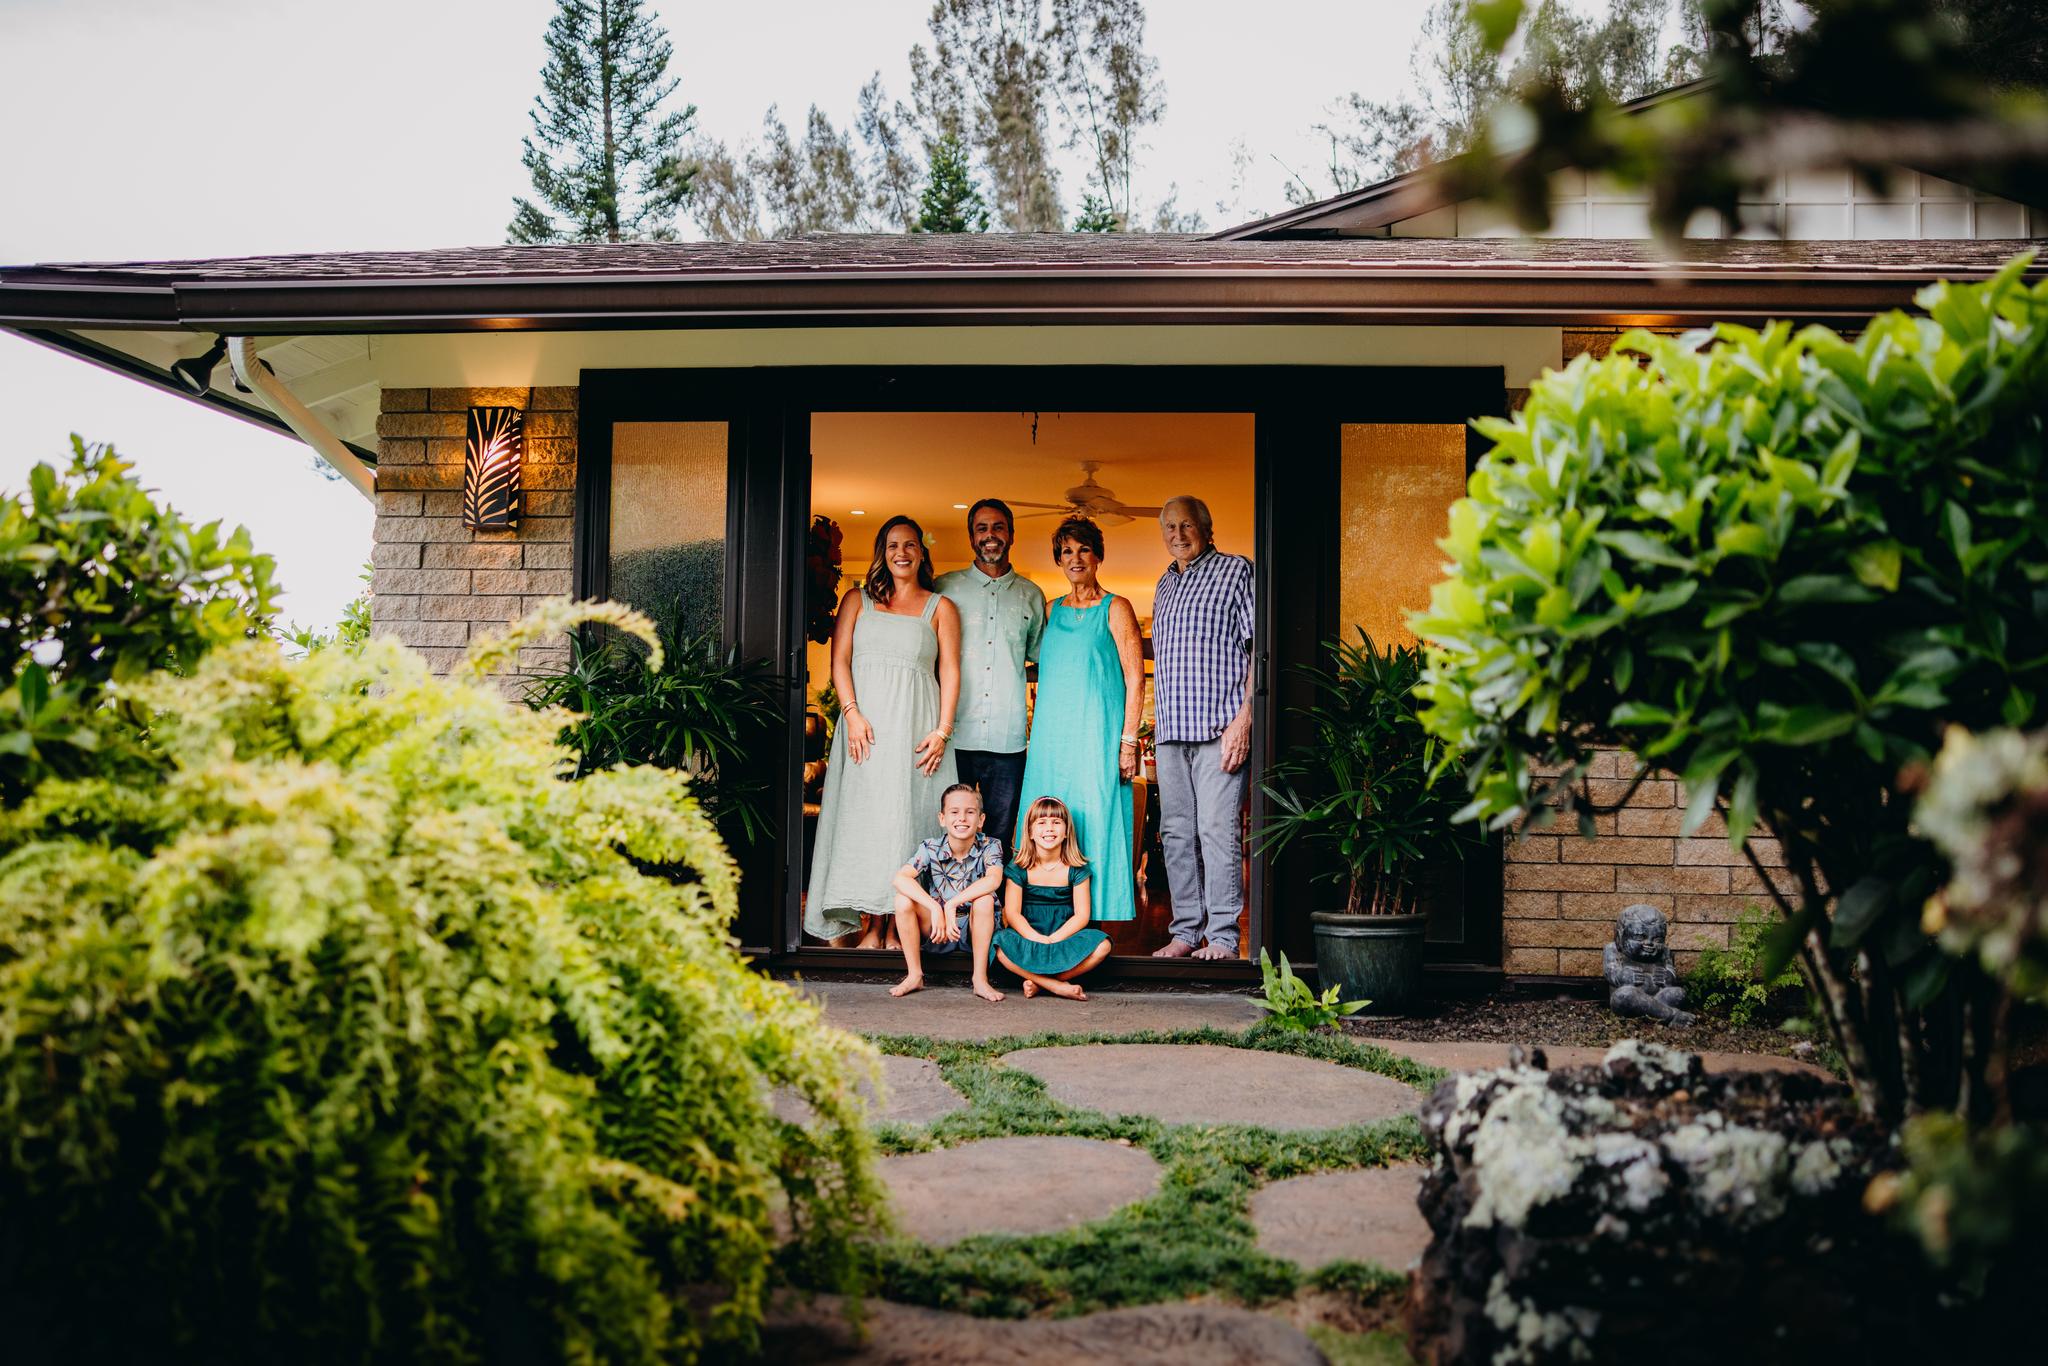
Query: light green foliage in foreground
357,1034
1292,1005
1191,1239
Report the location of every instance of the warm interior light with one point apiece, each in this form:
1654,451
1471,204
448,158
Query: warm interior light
490,469
960,507
858,512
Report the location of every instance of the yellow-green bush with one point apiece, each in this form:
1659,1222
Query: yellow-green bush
358,1036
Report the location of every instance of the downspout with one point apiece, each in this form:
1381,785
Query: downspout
256,376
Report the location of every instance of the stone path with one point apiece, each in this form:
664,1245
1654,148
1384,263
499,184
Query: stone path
1007,1185
801,1332
949,1011
1466,1057
1367,1215
1213,1084
912,1093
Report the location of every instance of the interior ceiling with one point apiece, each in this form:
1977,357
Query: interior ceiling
924,464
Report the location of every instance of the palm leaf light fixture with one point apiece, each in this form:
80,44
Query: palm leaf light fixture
490,469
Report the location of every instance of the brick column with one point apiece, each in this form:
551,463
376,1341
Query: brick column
436,585
1563,891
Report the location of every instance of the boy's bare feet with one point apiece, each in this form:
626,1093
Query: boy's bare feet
1030,988
908,985
1174,948
987,992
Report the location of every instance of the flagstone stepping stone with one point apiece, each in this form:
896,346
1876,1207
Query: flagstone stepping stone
913,1094
1368,1215
1017,1186
1215,1084
799,1331
1469,1056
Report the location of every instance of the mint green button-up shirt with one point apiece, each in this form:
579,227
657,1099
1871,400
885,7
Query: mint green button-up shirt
1000,623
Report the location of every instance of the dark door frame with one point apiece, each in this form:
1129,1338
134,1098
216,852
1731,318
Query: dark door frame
1298,413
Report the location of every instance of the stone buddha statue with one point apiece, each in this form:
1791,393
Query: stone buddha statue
1640,977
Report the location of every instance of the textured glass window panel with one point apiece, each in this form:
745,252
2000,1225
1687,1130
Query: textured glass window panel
668,521
1398,483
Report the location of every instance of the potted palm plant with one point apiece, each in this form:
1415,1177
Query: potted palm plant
1367,798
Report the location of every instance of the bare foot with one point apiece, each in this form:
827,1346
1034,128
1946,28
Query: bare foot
1030,988
1069,990
869,939
895,945
1174,948
1214,950
987,992
907,985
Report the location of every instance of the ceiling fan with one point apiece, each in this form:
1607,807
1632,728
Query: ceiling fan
1089,499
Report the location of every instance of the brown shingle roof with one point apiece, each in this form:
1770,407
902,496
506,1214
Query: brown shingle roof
868,254
836,280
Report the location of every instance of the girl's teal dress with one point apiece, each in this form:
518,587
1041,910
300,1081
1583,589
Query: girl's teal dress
1076,726
1046,909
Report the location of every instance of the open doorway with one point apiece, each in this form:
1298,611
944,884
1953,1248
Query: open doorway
1114,469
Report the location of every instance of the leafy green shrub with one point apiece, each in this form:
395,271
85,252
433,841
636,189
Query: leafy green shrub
1290,1004
1731,981
1368,792
357,1035
1777,564
99,585
683,708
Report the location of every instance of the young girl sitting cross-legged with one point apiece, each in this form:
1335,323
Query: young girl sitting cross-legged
1045,937
951,878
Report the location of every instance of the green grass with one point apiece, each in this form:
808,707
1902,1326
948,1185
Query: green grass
1192,1239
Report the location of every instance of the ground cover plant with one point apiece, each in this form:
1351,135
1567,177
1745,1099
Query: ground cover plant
1776,563
1731,981
1191,1239
355,1034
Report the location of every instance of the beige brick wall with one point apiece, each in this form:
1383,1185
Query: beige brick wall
435,584
1563,891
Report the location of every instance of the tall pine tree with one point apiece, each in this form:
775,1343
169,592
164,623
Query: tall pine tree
950,202
607,164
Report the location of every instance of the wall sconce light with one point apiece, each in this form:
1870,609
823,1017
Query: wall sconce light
490,469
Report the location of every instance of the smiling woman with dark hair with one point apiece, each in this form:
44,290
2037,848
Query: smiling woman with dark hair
896,664
1084,730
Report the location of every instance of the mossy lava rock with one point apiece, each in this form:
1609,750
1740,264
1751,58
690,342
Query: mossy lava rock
1645,1210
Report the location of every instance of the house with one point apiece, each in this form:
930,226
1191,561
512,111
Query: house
689,409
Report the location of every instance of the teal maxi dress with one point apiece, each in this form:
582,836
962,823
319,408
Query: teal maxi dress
1047,908
1076,726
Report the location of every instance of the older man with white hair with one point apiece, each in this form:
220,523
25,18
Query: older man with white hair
1202,723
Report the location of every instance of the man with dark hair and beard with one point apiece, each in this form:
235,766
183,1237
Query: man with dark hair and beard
1002,615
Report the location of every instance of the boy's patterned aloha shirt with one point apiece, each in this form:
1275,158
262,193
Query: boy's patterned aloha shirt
945,876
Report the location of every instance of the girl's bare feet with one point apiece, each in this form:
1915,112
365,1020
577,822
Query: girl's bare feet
1030,988
1069,990
987,992
908,985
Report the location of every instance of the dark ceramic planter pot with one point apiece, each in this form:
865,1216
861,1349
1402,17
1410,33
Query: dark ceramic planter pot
1376,958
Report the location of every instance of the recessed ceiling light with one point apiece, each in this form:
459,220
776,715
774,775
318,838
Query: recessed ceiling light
961,506
858,512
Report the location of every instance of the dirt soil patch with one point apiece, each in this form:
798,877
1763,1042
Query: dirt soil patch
1509,1017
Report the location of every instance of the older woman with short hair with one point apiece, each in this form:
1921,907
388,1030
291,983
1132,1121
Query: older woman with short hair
1084,727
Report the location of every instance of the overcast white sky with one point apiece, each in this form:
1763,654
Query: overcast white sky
153,129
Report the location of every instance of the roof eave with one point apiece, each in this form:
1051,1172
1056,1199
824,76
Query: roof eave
1584,292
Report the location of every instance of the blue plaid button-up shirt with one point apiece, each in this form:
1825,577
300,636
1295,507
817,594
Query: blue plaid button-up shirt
1201,642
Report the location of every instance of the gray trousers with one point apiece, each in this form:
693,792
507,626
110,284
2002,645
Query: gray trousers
1199,829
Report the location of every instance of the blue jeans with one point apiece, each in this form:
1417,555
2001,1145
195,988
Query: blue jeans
998,776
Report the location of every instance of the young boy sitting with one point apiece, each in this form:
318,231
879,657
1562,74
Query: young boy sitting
952,877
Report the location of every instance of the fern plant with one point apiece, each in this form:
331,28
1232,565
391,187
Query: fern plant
355,1035
1292,1005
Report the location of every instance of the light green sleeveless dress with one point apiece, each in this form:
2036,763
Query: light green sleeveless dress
1076,725
875,812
